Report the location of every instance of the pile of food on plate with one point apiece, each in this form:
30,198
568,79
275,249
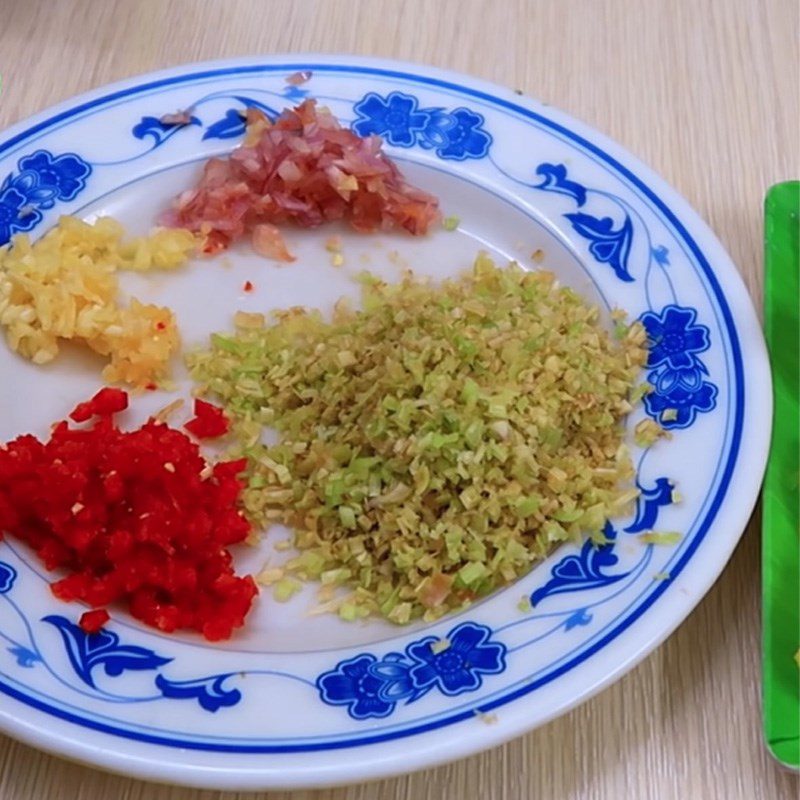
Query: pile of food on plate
432,443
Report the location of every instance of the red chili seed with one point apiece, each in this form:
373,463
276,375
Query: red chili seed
248,287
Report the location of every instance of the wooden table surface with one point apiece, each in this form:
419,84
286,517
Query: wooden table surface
704,91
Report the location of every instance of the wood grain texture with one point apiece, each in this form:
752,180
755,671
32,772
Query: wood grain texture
704,91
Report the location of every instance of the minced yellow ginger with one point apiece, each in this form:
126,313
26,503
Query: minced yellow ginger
436,443
64,286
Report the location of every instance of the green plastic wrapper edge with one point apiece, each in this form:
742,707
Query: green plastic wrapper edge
781,507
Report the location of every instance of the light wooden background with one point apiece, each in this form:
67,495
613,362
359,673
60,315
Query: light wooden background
707,93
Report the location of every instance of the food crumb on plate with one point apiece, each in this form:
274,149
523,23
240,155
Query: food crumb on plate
298,78
440,646
524,605
270,575
660,537
93,621
648,432
285,588
183,117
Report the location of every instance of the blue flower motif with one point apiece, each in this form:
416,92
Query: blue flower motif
372,688
435,134
555,180
680,390
295,93
25,656
7,577
229,127
209,692
87,651
396,117
160,131
354,685
579,617
455,135
648,503
673,337
586,570
16,214
609,245
43,179
394,670
459,667
661,255
465,139
678,407
234,123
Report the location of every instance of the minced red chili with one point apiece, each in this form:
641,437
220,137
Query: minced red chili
135,517
93,621
209,421
104,404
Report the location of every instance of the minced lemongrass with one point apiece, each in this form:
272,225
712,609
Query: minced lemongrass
660,537
439,441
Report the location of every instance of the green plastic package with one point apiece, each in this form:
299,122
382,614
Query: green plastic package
781,520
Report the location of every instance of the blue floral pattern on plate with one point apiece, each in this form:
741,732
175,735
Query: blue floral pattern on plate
231,125
648,503
673,337
42,180
554,179
353,684
371,687
584,570
455,135
457,668
160,131
680,390
607,244
7,577
209,692
396,117
87,651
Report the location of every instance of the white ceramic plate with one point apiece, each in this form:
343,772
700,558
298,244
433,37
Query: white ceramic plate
298,700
